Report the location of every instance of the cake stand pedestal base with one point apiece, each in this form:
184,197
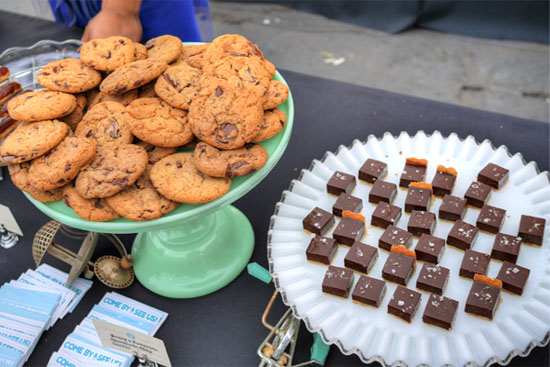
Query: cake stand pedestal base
195,258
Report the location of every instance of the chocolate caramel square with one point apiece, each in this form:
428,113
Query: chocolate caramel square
369,291
382,191
452,208
493,175
490,219
318,221
421,222
531,229
440,311
429,248
347,202
361,257
373,170
404,303
394,236
385,215
348,231
478,194
341,182
462,235
473,263
338,281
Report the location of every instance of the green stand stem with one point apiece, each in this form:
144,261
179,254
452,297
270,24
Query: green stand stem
195,258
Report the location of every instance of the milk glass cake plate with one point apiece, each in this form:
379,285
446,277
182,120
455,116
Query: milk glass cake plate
520,323
193,250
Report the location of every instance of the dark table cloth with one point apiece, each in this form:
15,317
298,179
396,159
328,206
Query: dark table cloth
224,328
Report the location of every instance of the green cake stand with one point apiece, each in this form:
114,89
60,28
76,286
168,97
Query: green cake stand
195,249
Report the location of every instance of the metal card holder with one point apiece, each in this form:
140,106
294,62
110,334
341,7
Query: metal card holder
277,349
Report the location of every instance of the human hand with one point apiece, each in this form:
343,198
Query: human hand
109,23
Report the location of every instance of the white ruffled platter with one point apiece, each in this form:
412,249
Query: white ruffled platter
520,323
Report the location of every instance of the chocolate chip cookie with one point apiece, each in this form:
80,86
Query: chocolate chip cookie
192,55
234,54
31,140
226,115
277,93
105,124
132,76
75,117
113,169
61,164
251,71
141,52
270,68
231,45
155,153
166,48
20,177
95,96
107,53
178,85
229,163
141,201
156,122
41,105
274,122
177,179
95,210
68,75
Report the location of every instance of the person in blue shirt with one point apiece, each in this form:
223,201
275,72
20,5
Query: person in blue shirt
136,19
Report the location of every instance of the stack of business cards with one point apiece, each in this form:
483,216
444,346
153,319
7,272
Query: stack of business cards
83,346
30,305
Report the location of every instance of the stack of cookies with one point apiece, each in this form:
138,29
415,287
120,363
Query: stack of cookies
109,133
